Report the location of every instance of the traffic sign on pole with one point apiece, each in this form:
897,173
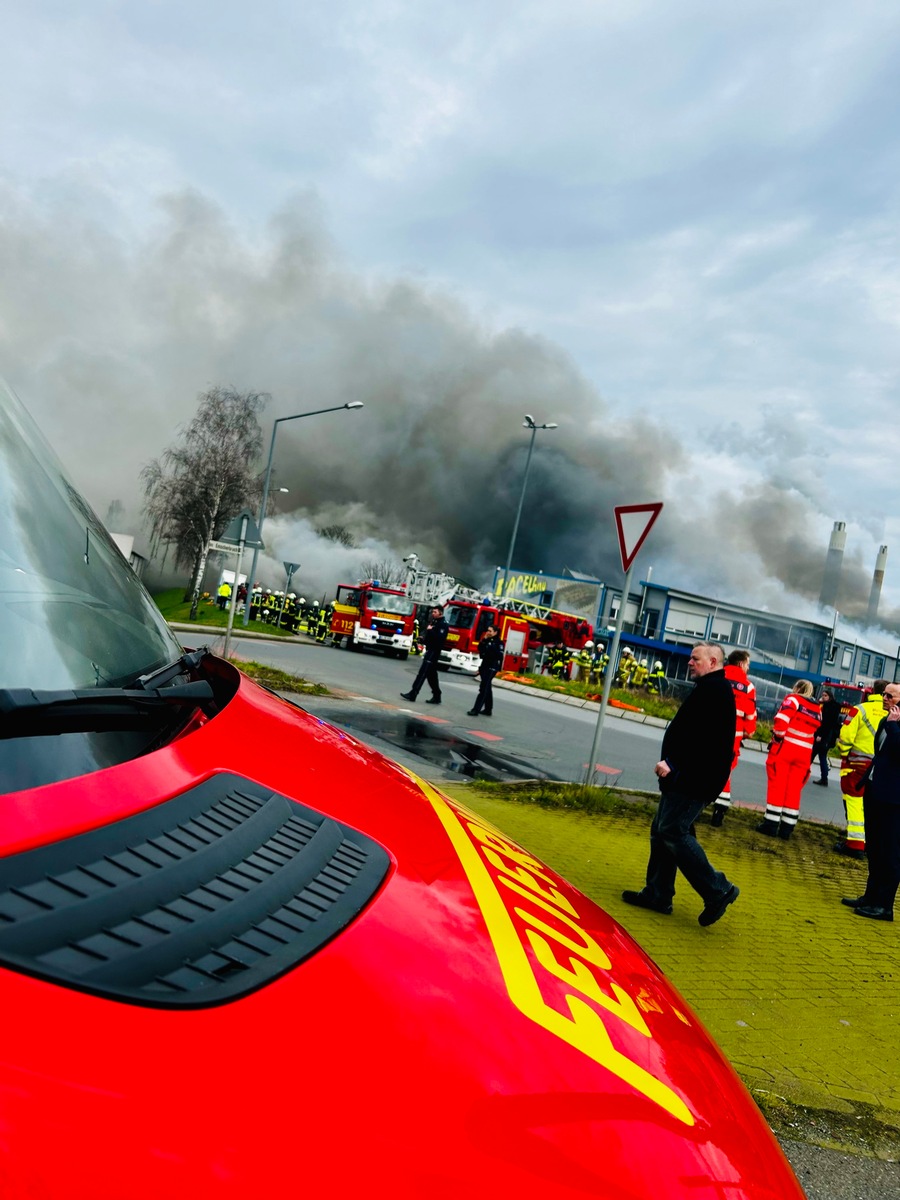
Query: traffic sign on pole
243,527
223,547
633,523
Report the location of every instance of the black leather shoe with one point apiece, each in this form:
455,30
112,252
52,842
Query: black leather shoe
877,914
718,814
767,827
714,911
433,700
642,900
821,782
408,696
472,713
851,902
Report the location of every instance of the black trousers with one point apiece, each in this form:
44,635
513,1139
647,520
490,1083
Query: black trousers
883,852
673,847
485,698
428,673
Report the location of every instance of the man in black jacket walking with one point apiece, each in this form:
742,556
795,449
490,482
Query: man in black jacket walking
697,750
435,637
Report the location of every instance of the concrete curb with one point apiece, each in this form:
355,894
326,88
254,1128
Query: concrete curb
621,714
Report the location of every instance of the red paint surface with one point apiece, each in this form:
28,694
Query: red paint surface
391,1064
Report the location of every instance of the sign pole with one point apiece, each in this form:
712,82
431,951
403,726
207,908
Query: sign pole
633,523
608,678
234,590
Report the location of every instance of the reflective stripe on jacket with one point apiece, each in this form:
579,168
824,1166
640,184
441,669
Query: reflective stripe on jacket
796,722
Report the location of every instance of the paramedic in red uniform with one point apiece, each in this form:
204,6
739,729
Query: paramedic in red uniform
790,755
737,667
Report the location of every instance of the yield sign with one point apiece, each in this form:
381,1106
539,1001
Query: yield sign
633,523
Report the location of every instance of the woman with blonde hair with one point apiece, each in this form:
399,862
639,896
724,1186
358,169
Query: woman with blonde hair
790,755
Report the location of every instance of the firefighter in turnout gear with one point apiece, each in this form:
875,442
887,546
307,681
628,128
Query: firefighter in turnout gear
416,647
737,664
583,660
640,673
558,659
656,681
627,663
599,659
790,755
323,620
856,746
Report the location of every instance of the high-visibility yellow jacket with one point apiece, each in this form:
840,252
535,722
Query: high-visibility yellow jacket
857,738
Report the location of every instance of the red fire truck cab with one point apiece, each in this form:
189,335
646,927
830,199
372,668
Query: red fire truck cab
848,695
523,627
367,614
468,621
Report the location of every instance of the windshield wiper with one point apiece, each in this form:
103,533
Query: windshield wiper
156,679
24,713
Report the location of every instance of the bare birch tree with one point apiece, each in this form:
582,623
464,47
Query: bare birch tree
196,486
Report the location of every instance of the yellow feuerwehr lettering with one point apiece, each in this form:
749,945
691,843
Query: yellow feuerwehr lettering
490,838
579,976
530,880
587,948
584,1029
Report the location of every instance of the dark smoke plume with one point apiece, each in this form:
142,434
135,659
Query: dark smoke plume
110,338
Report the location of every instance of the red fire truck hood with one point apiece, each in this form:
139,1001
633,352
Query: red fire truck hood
242,955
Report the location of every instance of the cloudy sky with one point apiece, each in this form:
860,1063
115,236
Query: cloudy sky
672,229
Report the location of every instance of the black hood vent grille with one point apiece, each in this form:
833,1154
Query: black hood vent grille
195,902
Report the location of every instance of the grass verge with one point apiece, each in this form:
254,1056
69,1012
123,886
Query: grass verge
174,607
280,681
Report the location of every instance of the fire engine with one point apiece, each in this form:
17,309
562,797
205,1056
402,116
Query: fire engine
523,627
208,894
367,614
848,695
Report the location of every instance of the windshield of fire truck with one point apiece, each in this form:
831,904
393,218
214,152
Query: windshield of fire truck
75,614
386,602
460,616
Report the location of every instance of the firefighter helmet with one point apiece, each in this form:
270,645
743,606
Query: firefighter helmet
657,666
588,645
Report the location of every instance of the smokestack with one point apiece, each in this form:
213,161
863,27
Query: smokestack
877,581
832,579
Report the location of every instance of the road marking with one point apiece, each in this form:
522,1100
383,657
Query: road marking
487,737
603,770
423,717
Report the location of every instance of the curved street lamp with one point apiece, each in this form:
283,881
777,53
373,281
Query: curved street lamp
265,494
528,423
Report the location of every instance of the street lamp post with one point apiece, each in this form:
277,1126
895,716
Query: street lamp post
265,495
528,423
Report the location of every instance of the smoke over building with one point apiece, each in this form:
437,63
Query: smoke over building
114,338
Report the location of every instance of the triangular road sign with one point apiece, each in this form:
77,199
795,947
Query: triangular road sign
290,568
633,523
232,534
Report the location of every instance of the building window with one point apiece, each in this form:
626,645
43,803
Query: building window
878,668
864,661
847,659
740,633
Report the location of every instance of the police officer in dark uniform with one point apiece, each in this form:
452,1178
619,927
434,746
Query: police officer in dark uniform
434,640
491,650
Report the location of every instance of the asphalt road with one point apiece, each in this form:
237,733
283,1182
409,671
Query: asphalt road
548,737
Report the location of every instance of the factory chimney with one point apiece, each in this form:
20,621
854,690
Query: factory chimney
877,581
832,578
